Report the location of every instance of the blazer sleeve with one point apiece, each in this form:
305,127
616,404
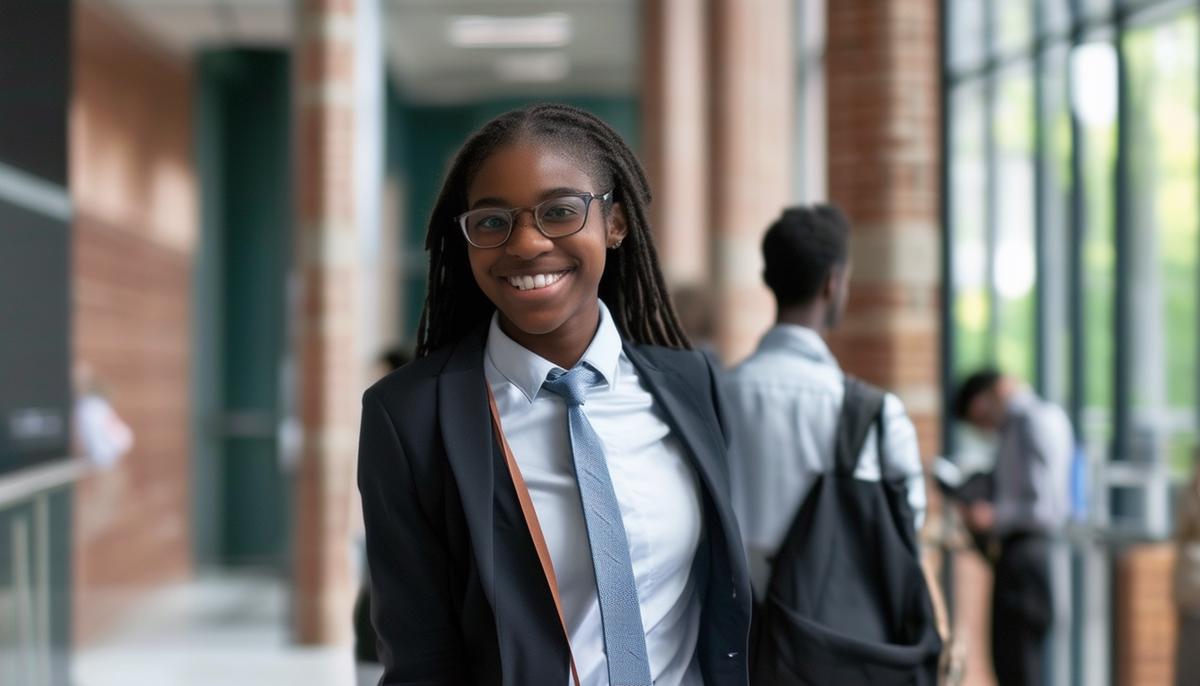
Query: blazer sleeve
408,564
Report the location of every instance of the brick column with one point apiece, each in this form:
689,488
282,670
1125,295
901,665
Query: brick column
1146,616
882,67
329,374
674,98
882,79
752,106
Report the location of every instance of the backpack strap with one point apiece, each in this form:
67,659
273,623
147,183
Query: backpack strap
862,407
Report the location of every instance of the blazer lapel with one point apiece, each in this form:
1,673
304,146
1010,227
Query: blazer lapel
467,436
531,646
686,417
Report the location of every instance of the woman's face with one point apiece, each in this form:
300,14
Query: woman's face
524,174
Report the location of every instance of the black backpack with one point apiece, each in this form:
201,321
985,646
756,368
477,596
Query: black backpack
847,601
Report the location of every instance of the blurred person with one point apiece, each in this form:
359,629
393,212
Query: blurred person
1187,581
583,537
102,437
366,653
1027,507
803,430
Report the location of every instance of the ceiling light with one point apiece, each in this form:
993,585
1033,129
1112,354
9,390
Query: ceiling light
541,67
551,30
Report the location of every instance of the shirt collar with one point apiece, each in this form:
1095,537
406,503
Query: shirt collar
797,339
527,370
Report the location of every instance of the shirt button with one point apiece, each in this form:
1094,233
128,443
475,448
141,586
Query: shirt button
735,593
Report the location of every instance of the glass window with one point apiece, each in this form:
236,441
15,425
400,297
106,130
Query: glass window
1014,268
968,195
1056,225
1093,9
967,38
1013,22
1094,100
1056,16
1162,69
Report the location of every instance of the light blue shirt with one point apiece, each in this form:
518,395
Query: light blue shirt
1032,478
785,401
656,488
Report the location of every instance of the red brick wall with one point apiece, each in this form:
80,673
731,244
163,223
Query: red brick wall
884,169
134,186
1145,616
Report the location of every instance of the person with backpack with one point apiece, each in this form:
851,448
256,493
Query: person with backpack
827,485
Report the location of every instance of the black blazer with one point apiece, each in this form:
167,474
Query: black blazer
458,595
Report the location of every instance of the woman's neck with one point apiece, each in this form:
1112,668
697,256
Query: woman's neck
563,346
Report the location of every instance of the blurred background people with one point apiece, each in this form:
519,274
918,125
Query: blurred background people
790,403
102,436
786,398
1028,506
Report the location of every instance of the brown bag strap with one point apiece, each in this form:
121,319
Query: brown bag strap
535,529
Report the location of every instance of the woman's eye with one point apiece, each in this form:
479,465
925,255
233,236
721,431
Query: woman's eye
559,212
492,222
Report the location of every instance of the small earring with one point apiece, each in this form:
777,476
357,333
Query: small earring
616,245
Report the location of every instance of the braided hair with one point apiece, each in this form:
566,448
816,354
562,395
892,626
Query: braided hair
632,285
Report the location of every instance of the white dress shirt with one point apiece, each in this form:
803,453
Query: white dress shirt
656,488
786,400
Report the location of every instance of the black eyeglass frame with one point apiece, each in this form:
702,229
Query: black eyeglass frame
515,212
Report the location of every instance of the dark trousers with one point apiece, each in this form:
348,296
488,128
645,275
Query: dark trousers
1022,610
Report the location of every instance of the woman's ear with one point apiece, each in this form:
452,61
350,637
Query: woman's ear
617,226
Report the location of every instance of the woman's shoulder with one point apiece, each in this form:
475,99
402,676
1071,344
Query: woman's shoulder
698,368
412,383
684,360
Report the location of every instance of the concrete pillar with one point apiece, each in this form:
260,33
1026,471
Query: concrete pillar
674,97
752,77
329,322
882,80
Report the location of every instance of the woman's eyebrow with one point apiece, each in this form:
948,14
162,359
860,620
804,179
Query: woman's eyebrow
490,202
544,195
561,190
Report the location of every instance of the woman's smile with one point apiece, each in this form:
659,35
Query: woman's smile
537,281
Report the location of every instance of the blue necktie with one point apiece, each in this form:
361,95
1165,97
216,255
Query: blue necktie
620,614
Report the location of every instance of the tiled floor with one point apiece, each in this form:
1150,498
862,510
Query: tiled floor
229,631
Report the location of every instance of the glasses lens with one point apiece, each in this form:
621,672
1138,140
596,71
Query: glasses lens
487,227
562,216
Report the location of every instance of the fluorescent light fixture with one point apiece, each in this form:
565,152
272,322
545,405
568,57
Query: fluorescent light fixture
533,67
550,30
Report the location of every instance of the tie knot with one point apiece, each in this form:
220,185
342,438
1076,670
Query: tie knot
572,385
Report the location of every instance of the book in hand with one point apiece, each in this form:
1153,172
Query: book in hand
959,485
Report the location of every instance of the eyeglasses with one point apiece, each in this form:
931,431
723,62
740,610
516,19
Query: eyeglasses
558,217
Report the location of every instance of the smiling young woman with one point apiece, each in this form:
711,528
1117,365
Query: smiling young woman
545,489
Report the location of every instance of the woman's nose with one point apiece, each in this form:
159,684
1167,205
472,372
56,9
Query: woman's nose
526,241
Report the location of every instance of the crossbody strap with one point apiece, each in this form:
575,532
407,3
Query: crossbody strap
535,529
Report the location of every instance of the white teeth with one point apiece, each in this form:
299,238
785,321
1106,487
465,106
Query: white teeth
526,282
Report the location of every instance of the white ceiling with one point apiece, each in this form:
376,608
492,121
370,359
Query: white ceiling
601,58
